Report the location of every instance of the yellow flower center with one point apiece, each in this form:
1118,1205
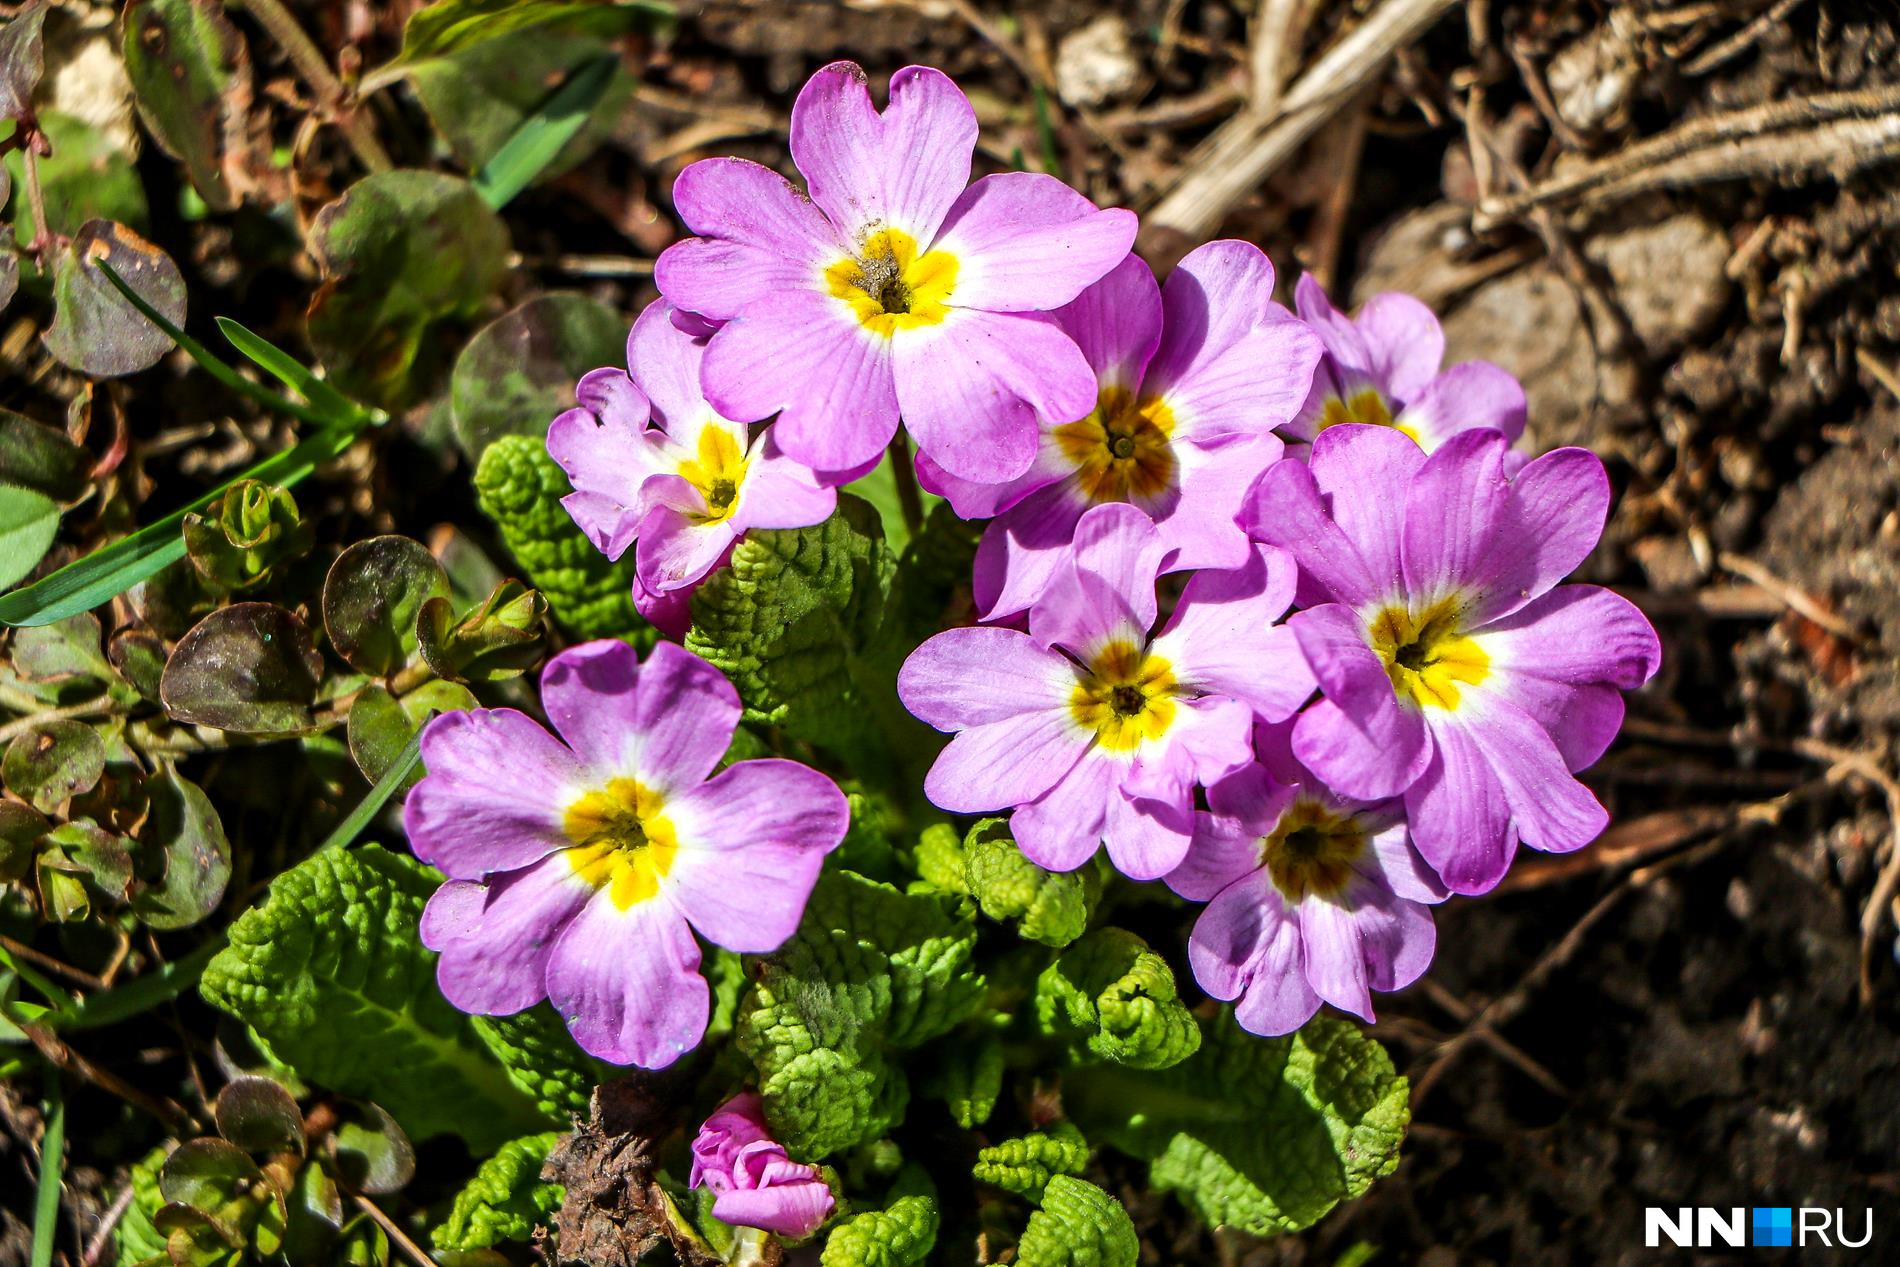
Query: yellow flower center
1427,655
1121,450
1125,696
622,842
717,471
1311,851
890,287
1368,405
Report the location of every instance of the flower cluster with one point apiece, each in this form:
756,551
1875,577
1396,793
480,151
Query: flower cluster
1270,602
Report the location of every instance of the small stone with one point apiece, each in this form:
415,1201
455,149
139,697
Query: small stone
1669,277
1096,64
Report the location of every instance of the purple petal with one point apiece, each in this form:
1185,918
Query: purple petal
1062,829
676,552
1082,614
1222,636
972,677
1116,322
495,939
1582,720
1460,820
1201,528
671,614
664,361
1286,509
1405,343
1120,544
790,1209
1550,809
1577,634
627,983
1147,838
902,169
781,493
1558,506
1475,394
1369,757
1026,242
972,499
970,389
1365,473
1226,845
1455,508
804,354
1021,552
1005,763
610,395
1397,866
752,840
666,723
495,796
757,237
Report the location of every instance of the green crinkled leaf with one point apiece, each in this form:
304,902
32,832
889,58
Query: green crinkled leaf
506,1199
902,1234
1079,1225
968,1078
800,623
1026,1164
329,971
137,1240
520,488
1262,1134
869,971
939,859
1110,993
543,1060
1047,906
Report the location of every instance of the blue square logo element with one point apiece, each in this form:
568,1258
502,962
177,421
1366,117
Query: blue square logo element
1771,1225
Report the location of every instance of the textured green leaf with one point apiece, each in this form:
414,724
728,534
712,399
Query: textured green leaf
968,1078
543,1060
1048,907
870,971
801,625
136,1238
1026,1164
1079,1225
506,1199
403,254
1115,997
191,76
519,370
1262,1134
902,1234
520,488
330,973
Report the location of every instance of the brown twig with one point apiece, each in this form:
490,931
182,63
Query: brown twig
315,71
58,967
410,1250
1727,50
1795,598
102,1235
1874,915
169,1111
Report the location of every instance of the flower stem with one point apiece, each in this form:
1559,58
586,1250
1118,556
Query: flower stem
909,499
36,200
316,72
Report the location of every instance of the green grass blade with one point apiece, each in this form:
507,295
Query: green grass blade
209,360
85,583
52,1170
273,360
1046,134
351,827
526,154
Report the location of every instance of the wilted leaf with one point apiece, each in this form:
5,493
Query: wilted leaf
401,253
86,177
28,522
139,656
39,457
381,725
373,1155
95,330
9,261
248,667
22,61
191,76
53,762
186,839
519,370
371,597
259,1116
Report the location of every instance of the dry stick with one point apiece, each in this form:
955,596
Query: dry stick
1843,131
102,1235
1873,915
1465,1014
1792,596
1273,52
52,965
165,1109
316,72
1878,371
1719,54
412,1251
1249,147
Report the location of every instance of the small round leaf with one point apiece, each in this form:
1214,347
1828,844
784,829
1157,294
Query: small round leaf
259,1116
96,330
53,762
373,1155
371,597
248,668
187,841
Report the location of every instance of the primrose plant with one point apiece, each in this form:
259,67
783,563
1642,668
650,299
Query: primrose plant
1258,607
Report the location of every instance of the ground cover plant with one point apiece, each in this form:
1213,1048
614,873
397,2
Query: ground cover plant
814,688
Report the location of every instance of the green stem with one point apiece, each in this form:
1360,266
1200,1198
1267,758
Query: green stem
315,70
910,500
104,706
52,1168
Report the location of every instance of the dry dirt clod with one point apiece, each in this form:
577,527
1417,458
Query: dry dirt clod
1669,278
1097,63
